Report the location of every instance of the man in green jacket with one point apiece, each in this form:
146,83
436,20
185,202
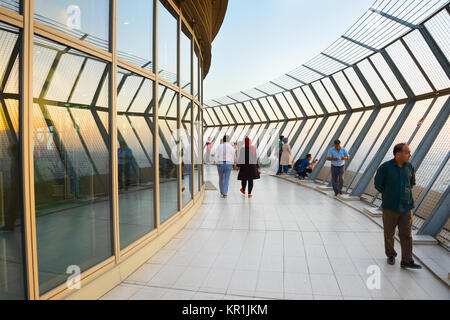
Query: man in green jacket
395,180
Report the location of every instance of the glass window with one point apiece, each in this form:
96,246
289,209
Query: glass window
135,21
243,114
135,160
326,82
169,161
186,134
236,113
168,102
197,141
11,221
275,108
185,51
227,114
357,84
82,19
168,43
388,76
195,72
268,109
324,96
13,5
304,102
258,110
293,104
312,99
207,118
71,161
211,113
375,82
221,116
309,134
348,91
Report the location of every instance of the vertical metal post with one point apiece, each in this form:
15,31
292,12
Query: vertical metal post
26,150
179,136
438,217
156,189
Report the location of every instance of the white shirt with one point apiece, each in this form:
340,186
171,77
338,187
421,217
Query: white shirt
225,152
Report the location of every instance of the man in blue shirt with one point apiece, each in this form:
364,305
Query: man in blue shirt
306,166
395,180
337,155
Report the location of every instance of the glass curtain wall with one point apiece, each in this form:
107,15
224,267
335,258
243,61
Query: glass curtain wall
79,128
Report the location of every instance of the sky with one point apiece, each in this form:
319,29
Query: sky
262,39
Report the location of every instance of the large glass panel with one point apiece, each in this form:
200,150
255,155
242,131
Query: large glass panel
388,76
135,32
375,82
13,5
168,102
135,158
212,115
310,131
333,93
275,108
304,102
83,19
227,114
236,113
197,141
169,161
268,109
243,114
71,162
185,51
207,118
358,86
195,73
11,221
348,91
168,43
312,99
186,141
293,104
324,96
258,110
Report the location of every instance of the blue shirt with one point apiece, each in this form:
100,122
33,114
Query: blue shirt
303,165
125,155
333,153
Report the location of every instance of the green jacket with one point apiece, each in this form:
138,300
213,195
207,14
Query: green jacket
395,185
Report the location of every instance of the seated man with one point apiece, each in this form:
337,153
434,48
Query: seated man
306,167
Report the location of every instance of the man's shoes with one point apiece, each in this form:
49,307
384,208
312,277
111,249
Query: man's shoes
242,191
391,260
225,196
336,194
410,265
340,192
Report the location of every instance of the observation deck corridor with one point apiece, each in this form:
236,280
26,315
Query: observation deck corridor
288,242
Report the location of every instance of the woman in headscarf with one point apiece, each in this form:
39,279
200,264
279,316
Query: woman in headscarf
286,158
248,167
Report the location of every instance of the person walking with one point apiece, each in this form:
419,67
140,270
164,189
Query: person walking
286,157
248,167
337,155
394,180
280,152
225,157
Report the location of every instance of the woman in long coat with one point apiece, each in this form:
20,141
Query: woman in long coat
286,157
248,167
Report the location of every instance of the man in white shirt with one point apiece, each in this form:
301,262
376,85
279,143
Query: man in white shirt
225,157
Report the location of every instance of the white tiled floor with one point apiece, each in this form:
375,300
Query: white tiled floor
288,242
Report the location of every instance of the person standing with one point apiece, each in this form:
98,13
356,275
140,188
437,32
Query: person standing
394,180
286,157
208,151
125,156
280,152
248,167
337,155
225,157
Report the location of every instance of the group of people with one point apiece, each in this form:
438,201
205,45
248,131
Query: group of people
226,156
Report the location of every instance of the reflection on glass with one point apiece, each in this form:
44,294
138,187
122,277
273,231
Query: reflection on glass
198,147
169,159
83,19
134,21
186,125
135,157
13,5
195,73
11,245
71,163
167,47
185,60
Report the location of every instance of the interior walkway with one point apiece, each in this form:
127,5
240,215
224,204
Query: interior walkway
288,242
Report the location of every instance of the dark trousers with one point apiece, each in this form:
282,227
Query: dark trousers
280,167
305,172
337,178
392,219
250,185
124,175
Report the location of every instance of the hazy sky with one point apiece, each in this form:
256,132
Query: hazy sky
263,39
